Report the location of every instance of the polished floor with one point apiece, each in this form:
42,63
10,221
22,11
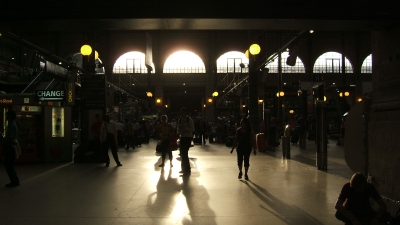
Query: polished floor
280,191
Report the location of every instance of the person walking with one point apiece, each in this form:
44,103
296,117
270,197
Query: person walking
128,132
185,130
11,149
165,130
108,138
244,141
120,127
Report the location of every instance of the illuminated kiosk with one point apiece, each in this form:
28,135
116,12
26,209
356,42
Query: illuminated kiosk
44,125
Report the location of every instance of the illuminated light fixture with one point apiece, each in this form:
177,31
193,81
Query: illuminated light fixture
311,31
284,83
133,84
260,101
247,53
166,106
60,63
291,111
254,49
96,55
287,49
86,50
184,84
324,98
204,105
149,94
244,106
341,94
298,93
158,100
281,93
359,100
333,83
346,93
277,94
210,100
215,94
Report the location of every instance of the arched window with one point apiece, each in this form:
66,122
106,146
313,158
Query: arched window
367,65
184,62
230,62
131,62
331,62
297,68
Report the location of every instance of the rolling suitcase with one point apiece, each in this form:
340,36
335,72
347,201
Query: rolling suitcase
260,142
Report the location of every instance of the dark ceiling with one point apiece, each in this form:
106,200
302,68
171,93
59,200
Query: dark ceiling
97,15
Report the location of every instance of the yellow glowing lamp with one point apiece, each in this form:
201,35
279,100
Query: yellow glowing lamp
149,94
215,94
341,94
291,111
86,50
260,101
277,94
204,105
254,49
247,53
346,93
282,93
96,55
158,100
324,98
359,100
166,106
209,100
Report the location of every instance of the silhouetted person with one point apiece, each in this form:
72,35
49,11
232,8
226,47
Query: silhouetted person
108,138
165,131
11,149
244,142
353,204
185,130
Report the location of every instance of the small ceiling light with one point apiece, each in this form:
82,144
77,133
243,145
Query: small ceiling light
133,84
149,94
277,94
166,106
287,49
359,100
346,93
284,83
158,100
341,94
60,63
282,93
209,100
184,84
215,94
333,83
204,105
311,31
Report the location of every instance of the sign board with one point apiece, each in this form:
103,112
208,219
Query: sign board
31,108
94,87
50,95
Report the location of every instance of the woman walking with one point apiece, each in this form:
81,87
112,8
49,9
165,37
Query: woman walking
165,129
108,138
244,141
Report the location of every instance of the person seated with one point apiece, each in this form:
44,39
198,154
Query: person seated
353,204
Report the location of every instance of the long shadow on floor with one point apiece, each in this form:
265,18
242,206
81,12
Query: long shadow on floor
276,204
